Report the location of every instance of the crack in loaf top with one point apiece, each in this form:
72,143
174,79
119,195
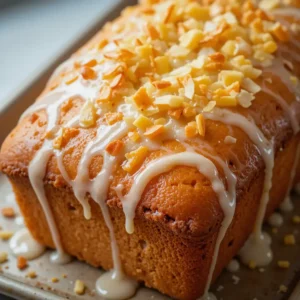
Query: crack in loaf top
157,71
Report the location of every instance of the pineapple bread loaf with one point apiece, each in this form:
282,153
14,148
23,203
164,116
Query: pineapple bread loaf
157,150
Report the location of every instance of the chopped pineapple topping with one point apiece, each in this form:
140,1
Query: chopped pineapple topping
135,159
173,61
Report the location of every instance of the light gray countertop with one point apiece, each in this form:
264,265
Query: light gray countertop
32,32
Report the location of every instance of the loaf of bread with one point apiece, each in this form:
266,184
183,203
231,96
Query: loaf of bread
160,146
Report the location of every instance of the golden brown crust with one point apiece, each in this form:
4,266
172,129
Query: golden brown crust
174,264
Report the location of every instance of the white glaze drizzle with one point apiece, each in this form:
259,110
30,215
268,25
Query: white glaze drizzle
43,103
23,244
162,165
37,171
59,69
208,296
52,101
266,149
37,167
205,167
99,146
231,181
220,239
177,133
111,286
98,187
287,205
287,11
19,221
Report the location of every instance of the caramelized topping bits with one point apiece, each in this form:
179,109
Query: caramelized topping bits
21,263
134,136
192,59
135,159
175,113
104,93
79,287
161,84
283,264
117,81
70,79
31,274
112,118
91,63
3,257
115,147
296,219
8,212
88,73
280,32
191,129
289,240
153,131
142,122
200,124
252,265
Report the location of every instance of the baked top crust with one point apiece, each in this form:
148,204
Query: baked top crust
171,66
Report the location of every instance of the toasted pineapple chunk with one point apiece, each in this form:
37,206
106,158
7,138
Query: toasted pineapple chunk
200,121
88,115
135,159
230,77
142,122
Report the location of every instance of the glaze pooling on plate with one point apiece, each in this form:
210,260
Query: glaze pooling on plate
137,98
107,283
36,171
23,244
257,250
275,220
